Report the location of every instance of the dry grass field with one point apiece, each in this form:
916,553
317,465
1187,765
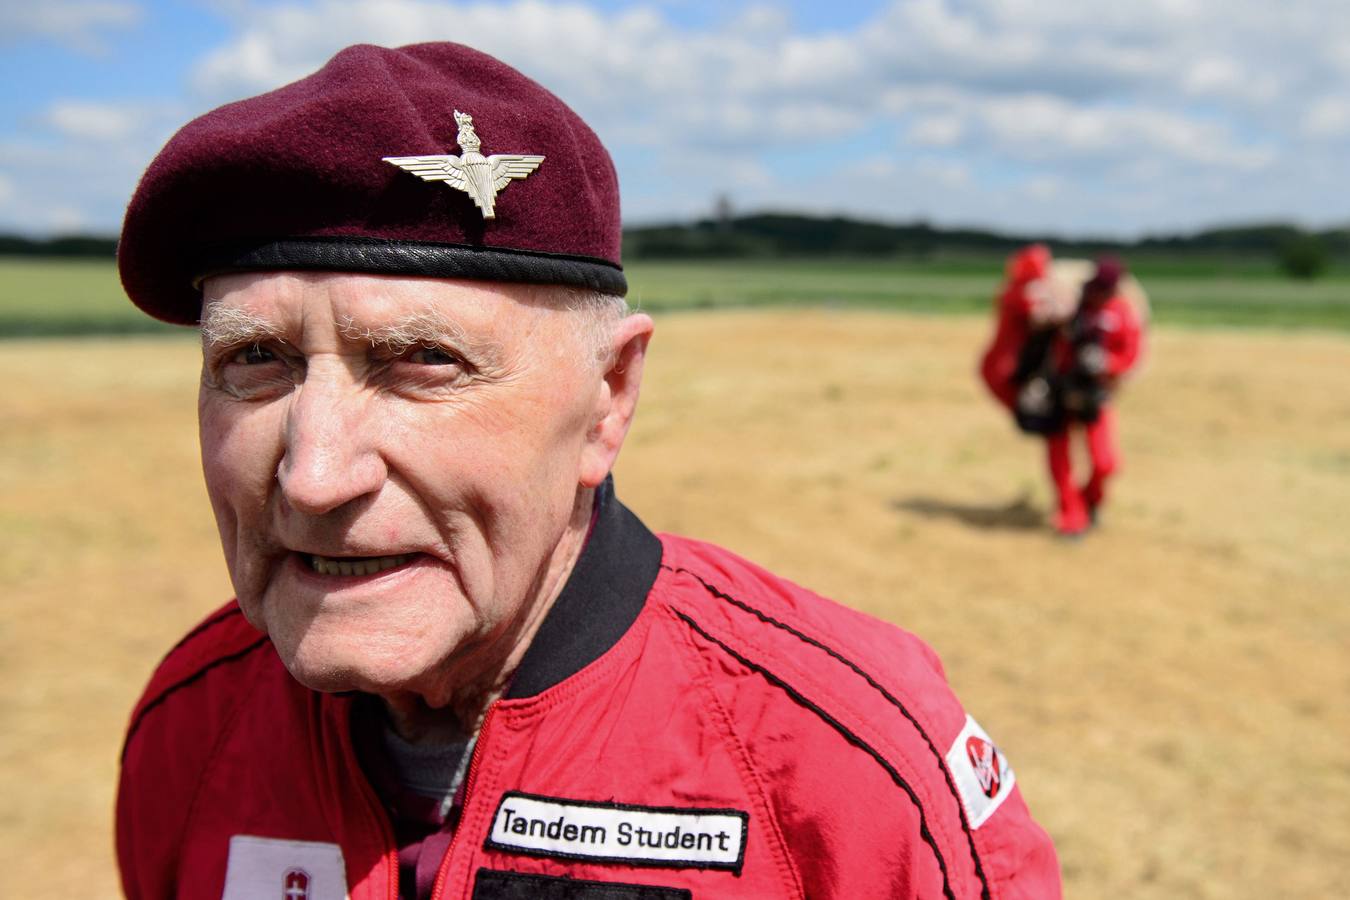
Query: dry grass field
1172,690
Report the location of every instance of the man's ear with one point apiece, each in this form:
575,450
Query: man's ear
617,400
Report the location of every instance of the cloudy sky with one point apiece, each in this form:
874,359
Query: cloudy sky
1069,116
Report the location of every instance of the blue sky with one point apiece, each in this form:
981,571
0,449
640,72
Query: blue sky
1068,116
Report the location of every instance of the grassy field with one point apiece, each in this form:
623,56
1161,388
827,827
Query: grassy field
1194,293
39,297
67,297
1170,690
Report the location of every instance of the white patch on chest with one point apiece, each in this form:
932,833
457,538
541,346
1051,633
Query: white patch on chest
275,869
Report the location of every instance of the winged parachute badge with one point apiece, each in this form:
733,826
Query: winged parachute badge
479,176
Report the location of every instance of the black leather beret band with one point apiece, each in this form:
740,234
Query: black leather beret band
418,258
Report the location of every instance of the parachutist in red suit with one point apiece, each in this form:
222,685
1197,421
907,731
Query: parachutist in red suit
1092,352
1017,313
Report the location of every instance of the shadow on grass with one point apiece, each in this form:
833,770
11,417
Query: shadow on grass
1019,515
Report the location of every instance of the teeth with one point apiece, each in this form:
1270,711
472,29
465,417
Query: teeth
325,565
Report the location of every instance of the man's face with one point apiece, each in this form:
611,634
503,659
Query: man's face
392,462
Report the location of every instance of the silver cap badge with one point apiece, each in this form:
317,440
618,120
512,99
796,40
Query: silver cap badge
479,176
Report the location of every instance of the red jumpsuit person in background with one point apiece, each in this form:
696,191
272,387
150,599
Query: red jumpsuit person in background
1094,350
1016,304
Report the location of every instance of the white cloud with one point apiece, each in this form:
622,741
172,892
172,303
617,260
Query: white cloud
940,130
76,23
1327,117
946,172
93,121
761,19
633,75
875,167
639,77
66,219
79,169
1147,114
113,128
1040,127
1043,187
1212,74
1338,54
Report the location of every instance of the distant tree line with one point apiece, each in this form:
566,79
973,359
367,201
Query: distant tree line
769,235
1302,253
74,245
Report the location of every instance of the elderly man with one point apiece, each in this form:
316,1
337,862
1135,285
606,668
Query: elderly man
457,665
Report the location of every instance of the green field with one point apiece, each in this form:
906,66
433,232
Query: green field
65,297
40,297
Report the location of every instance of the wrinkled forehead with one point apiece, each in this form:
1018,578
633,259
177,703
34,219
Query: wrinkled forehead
296,300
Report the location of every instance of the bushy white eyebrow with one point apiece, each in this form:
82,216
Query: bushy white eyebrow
223,325
424,328
417,329
230,326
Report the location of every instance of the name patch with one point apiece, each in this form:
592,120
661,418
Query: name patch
673,837
981,772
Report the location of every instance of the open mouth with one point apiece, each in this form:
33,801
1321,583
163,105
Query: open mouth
354,565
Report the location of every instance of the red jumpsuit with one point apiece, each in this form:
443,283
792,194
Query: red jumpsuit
1113,326
683,725
1014,313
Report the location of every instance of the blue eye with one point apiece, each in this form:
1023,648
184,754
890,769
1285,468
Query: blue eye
432,356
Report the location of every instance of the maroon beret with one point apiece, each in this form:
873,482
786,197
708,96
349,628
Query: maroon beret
301,179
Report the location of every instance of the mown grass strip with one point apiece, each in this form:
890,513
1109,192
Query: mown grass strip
44,298
68,298
1203,295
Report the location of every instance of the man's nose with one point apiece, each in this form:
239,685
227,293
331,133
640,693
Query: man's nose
331,456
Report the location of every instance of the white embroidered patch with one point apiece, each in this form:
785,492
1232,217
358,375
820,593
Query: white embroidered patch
273,869
982,774
614,832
